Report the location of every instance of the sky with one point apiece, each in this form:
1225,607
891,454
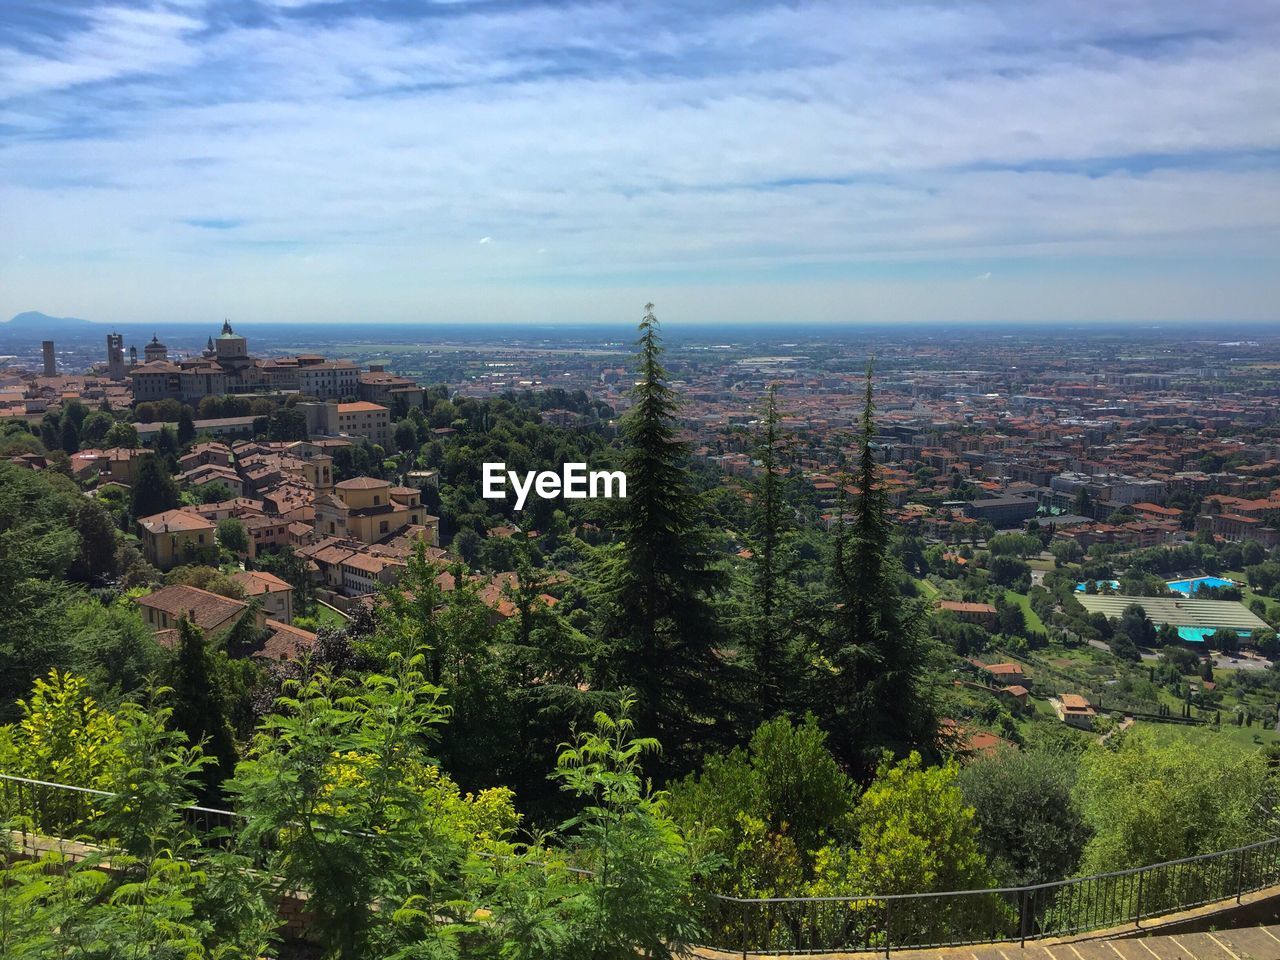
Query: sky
732,161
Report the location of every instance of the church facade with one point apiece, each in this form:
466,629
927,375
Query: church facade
226,366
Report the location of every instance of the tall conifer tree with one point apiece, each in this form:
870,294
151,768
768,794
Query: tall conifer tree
772,646
877,697
199,708
657,583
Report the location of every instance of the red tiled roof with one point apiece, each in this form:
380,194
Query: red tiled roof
208,611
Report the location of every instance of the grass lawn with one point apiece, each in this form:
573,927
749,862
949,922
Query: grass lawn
1273,606
1033,619
328,617
927,589
1035,563
1229,732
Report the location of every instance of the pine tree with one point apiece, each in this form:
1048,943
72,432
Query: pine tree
877,650
774,663
186,426
69,436
657,583
153,490
199,709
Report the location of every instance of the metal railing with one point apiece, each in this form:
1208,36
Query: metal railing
60,810
811,925
871,923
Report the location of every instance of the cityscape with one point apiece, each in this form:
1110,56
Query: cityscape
521,480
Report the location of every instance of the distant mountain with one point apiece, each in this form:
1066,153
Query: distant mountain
33,321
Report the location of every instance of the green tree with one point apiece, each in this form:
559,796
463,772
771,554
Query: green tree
406,436
287,423
121,434
200,710
656,584
186,426
776,660
1029,823
68,436
1135,624
915,834
144,889
1150,800
37,548
153,490
762,813
232,535
95,427
876,649
335,800
639,897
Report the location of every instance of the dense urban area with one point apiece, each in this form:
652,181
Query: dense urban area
884,611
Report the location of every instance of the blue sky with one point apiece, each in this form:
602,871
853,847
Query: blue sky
499,161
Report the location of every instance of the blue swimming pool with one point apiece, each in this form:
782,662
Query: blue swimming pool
1188,587
1201,634
1113,584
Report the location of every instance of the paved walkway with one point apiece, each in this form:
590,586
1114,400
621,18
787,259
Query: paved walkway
1246,943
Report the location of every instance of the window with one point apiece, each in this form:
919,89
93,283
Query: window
377,500
382,527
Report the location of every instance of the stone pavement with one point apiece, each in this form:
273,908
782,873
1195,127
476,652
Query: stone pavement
1260,942
1245,943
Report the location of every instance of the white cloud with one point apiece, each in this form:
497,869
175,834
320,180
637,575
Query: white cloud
793,141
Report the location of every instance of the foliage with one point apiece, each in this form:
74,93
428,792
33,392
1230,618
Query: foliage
200,710
64,736
41,544
763,812
232,535
153,489
639,895
331,790
874,693
144,889
1029,822
1148,801
915,834
655,585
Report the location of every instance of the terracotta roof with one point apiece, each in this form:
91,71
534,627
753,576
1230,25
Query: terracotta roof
208,611
1075,703
286,641
174,521
362,483
959,606
258,582
360,406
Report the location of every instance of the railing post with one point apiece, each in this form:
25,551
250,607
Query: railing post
1137,902
888,925
1022,918
746,929
1239,874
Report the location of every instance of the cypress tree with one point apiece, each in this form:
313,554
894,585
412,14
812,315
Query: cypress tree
774,664
69,436
657,583
877,698
199,709
153,490
186,426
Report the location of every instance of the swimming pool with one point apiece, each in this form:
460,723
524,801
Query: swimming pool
1188,587
1201,634
1113,584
